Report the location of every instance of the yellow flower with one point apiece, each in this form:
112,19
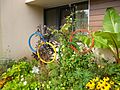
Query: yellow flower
48,86
107,88
111,82
98,87
90,85
107,85
63,88
99,84
102,66
101,81
87,84
103,88
102,85
95,79
118,89
99,66
43,85
106,79
49,82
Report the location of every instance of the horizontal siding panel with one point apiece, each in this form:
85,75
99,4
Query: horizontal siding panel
100,1
105,5
98,8
95,28
97,12
101,11
96,18
96,23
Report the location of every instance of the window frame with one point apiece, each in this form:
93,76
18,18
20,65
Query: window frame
59,10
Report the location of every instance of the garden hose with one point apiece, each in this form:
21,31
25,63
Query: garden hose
29,40
53,49
74,48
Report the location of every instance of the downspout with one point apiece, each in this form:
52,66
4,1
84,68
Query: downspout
88,14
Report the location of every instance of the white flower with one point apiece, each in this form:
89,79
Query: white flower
36,89
48,86
49,82
35,70
25,82
43,85
57,57
22,79
21,76
57,49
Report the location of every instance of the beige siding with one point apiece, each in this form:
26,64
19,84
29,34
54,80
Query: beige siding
97,11
18,21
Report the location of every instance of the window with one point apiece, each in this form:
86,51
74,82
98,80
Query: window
51,17
55,17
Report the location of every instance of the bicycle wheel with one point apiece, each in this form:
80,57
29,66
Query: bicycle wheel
29,40
46,52
84,32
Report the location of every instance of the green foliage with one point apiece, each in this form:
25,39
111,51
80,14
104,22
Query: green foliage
69,74
22,77
111,21
113,70
109,37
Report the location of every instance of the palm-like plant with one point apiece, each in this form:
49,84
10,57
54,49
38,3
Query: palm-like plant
109,36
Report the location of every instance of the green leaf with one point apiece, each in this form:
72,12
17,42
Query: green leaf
86,40
100,42
118,36
111,21
110,39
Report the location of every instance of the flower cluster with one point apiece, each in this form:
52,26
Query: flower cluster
100,84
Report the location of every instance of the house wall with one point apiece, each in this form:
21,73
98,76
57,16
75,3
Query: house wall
0,32
97,11
18,22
